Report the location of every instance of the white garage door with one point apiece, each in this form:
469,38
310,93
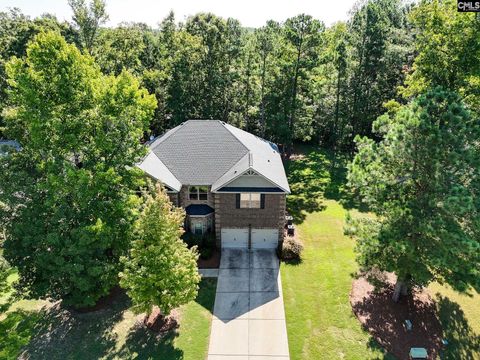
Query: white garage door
264,238
235,238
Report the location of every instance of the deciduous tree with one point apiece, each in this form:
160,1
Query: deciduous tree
88,18
159,270
69,193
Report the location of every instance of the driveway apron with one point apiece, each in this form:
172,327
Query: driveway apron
248,316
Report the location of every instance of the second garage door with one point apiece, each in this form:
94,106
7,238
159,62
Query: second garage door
235,238
264,238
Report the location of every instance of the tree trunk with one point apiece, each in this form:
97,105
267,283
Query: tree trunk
291,119
262,105
398,290
401,288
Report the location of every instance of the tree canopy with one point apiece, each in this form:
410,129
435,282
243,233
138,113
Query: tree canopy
159,269
423,181
75,95
69,193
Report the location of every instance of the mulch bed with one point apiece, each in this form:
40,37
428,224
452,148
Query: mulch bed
211,263
385,320
159,323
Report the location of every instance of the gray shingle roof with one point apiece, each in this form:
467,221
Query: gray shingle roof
199,151
210,152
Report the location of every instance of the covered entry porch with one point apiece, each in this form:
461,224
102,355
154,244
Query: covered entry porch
199,219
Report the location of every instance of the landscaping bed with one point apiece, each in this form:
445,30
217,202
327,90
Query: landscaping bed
213,262
209,255
385,319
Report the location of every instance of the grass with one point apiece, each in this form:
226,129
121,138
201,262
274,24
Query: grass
112,333
320,322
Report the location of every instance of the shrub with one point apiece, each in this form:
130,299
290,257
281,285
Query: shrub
291,249
206,253
209,240
192,239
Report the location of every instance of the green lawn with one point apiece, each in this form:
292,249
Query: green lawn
55,333
320,322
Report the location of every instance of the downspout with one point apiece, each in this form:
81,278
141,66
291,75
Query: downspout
249,236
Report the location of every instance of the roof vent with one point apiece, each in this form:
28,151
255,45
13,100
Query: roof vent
250,159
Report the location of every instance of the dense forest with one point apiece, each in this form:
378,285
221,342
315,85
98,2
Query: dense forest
289,81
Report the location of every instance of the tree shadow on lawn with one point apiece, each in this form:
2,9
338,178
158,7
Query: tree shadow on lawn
142,343
384,320
16,330
63,333
60,333
316,174
432,319
206,293
463,343
337,189
308,178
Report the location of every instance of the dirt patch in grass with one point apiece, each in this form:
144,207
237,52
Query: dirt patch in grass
213,262
385,320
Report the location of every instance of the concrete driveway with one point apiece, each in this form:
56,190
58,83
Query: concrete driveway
248,317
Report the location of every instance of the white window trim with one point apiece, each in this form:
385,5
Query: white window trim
250,201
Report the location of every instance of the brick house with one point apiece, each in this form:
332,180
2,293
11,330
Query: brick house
228,181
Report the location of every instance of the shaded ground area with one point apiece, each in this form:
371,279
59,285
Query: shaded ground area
212,262
385,320
112,332
314,175
464,342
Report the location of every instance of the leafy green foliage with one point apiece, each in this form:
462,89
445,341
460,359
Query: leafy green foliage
448,48
160,270
88,19
17,329
380,48
422,180
68,195
5,270
16,30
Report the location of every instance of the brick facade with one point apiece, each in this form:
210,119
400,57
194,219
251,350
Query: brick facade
228,216
185,200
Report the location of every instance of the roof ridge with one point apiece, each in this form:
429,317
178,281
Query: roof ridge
224,124
166,135
231,167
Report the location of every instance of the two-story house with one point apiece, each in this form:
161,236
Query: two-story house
228,181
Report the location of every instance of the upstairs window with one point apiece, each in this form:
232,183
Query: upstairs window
198,193
250,201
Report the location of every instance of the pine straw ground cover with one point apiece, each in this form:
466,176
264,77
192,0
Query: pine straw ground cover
385,320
